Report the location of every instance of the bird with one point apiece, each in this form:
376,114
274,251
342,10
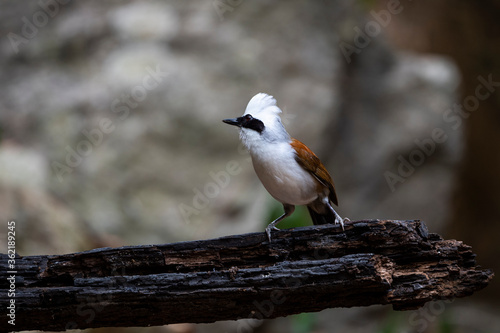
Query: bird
288,169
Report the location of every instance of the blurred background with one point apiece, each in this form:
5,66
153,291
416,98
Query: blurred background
111,132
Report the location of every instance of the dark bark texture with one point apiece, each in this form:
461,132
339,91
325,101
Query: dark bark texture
242,276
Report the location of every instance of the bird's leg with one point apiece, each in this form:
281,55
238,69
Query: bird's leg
288,211
338,219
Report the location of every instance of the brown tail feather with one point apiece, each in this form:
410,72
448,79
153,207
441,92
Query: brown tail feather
317,218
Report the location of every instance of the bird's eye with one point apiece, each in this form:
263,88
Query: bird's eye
248,117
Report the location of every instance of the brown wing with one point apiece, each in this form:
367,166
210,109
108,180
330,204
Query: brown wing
309,161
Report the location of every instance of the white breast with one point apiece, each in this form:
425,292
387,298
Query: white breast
281,175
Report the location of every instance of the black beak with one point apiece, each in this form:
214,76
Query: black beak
232,121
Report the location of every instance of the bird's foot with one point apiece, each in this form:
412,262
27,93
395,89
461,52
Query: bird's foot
344,220
288,210
268,231
339,220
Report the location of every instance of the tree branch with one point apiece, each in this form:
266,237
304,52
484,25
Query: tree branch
243,276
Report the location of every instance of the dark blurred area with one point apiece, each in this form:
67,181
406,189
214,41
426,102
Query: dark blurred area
111,132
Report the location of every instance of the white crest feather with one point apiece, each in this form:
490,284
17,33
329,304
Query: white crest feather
262,102
263,107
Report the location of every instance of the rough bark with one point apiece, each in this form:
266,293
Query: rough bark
242,276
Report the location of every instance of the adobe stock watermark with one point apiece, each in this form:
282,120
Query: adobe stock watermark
31,25
264,309
427,146
121,107
212,189
91,306
225,6
11,273
421,318
373,28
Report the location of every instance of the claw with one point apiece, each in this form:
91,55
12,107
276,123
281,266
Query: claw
341,222
338,219
268,231
272,226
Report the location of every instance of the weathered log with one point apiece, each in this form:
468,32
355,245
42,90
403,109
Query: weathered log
243,276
